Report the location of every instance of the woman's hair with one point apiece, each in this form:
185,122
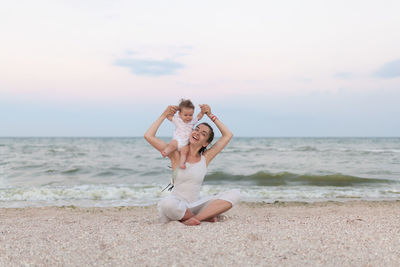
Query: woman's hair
185,103
210,137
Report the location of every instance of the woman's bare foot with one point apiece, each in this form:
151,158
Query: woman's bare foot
213,219
192,222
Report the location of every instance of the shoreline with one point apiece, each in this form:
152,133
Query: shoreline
283,233
250,203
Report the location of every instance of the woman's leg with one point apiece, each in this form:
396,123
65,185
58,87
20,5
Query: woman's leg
221,203
215,208
172,208
188,215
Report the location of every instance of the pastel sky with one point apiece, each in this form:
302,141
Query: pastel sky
266,68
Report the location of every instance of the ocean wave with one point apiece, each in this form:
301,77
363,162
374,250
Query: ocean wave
287,178
105,174
306,148
309,148
108,195
81,192
72,171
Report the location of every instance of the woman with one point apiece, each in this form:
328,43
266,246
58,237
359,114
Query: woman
184,203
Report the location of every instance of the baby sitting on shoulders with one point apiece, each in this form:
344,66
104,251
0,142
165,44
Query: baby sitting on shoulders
184,123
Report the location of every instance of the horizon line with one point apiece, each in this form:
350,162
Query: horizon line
121,136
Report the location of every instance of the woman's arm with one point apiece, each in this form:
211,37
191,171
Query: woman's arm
222,142
201,113
150,134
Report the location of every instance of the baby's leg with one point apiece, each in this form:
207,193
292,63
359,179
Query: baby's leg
184,151
172,146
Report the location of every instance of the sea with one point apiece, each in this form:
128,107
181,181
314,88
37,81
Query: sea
107,172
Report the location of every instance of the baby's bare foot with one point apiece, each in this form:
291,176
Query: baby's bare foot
192,222
164,153
182,166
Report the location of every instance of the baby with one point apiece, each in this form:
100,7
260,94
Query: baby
184,123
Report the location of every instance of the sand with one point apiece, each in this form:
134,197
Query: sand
330,234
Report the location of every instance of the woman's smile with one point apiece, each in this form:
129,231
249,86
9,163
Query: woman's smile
195,136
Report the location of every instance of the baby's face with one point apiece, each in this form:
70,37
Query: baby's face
186,114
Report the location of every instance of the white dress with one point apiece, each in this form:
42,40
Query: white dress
182,130
186,193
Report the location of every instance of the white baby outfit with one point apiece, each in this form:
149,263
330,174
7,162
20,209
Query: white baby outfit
182,130
186,193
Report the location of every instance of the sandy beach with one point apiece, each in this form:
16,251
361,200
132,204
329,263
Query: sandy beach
289,234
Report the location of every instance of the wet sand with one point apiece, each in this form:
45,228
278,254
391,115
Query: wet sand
288,234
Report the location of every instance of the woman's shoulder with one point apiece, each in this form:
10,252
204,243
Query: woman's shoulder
206,157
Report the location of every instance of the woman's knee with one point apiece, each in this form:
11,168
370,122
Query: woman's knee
236,196
232,196
174,209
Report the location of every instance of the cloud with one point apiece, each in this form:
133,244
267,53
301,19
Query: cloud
344,75
149,67
389,70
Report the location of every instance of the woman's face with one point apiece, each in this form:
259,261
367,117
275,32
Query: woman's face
200,135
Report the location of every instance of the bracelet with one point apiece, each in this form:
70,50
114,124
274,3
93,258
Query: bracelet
213,118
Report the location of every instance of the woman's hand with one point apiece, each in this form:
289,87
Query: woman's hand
170,111
150,134
205,109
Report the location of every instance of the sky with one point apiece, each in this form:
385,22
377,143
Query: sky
266,68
